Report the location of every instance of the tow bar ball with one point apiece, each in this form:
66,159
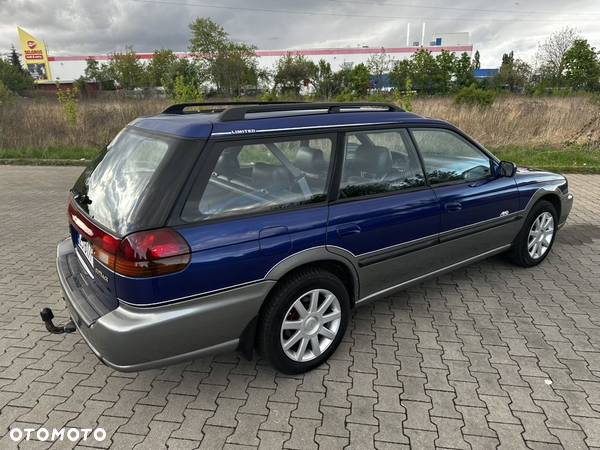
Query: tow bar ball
47,316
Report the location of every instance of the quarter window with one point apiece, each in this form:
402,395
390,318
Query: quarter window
448,157
261,176
379,161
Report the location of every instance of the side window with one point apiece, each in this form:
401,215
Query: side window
448,157
379,161
258,176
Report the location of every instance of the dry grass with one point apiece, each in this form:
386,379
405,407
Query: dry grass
523,121
520,121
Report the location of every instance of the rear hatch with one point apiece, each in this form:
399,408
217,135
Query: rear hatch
130,187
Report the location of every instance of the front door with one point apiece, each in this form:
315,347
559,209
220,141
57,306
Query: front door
385,215
479,208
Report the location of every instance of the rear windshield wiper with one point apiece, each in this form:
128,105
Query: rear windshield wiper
82,199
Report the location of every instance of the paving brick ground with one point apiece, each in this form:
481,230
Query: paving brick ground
488,355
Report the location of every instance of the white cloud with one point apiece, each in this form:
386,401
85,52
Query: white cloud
103,26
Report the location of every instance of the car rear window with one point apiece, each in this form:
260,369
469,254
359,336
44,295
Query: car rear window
111,189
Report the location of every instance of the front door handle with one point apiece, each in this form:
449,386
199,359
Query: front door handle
346,230
453,206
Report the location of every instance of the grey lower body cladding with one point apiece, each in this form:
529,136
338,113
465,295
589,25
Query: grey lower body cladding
131,338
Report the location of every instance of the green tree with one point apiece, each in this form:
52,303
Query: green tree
342,80
234,69
159,65
463,71
424,69
361,80
93,71
324,80
185,90
582,67
378,65
445,63
227,64
514,74
476,62
551,53
401,74
13,78
292,72
126,69
182,68
14,58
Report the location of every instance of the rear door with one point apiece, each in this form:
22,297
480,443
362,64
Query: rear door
479,209
253,203
385,217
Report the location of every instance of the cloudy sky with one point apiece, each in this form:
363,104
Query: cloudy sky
75,27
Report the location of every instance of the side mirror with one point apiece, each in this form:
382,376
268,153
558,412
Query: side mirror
507,169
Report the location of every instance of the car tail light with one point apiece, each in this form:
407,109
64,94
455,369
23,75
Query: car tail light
142,254
152,253
104,244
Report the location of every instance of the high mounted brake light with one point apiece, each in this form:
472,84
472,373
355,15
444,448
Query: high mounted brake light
142,254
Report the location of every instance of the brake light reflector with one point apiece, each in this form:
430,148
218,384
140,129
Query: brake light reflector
152,253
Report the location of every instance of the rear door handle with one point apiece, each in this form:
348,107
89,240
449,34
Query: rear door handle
346,230
453,206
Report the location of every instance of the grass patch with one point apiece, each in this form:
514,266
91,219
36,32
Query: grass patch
574,159
51,153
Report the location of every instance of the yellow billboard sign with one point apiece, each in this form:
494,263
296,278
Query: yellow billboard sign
35,55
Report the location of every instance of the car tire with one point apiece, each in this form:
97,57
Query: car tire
534,242
303,321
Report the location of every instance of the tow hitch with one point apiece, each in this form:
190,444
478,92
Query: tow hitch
47,316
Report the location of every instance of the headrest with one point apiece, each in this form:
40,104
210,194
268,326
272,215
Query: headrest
228,163
267,176
310,160
373,159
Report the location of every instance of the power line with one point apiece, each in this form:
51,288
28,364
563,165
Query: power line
335,14
456,8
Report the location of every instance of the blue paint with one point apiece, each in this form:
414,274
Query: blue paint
236,251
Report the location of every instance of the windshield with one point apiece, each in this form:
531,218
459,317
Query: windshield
112,187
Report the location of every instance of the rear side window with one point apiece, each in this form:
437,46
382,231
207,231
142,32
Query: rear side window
249,177
379,161
112,188
448,157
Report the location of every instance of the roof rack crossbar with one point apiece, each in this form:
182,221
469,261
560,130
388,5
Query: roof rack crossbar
179,108
239,112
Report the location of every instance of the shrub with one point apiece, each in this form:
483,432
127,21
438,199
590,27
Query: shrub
6,95
404,98
346,97
69,100
475,96
186,92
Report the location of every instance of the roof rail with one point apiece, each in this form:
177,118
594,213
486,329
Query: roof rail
239,112
179,108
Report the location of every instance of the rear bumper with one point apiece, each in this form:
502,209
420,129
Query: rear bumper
131,338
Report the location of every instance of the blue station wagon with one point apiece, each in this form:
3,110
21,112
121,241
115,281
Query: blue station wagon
210,228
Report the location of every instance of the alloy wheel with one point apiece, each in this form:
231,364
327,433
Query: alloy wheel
310,325
540,235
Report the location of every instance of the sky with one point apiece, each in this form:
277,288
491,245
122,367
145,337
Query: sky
83,27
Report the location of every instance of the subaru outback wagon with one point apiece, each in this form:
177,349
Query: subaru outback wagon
262,226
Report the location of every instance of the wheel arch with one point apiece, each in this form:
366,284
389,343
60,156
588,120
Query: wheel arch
551,194
318,257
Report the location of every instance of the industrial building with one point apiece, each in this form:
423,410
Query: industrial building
68,68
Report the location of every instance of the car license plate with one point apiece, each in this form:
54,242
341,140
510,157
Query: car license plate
87,250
